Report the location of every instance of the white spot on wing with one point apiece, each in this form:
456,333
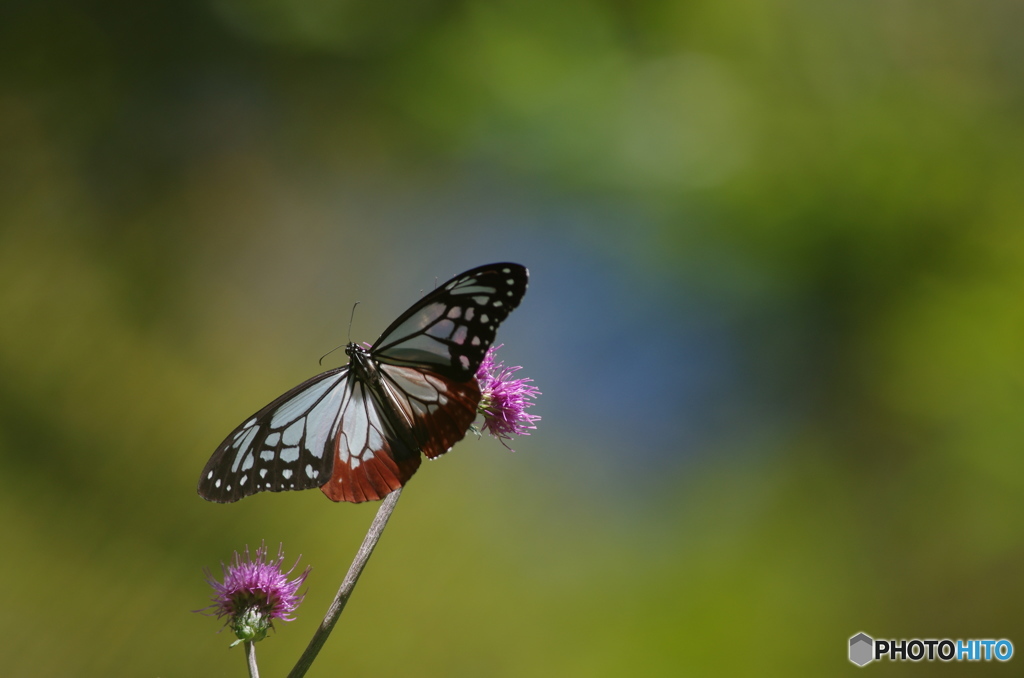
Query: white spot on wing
442,330
320,420
293,434
375,442
474,289
354,422
415,383
424,317
299,404
243,447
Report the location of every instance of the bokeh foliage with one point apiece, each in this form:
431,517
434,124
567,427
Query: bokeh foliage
192,194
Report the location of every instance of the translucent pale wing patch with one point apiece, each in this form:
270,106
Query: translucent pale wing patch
436,410
450,329
285,446
371,459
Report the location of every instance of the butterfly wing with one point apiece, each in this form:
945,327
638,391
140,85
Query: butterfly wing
423,396
371,457
358,437
449,330
287,445
329,423
435,410
383,428
429,356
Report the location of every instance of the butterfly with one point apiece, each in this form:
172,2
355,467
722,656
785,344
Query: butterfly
357,431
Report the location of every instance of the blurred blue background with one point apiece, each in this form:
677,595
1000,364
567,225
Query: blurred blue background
777,271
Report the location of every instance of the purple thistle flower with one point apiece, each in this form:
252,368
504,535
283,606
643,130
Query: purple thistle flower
255,593
505,399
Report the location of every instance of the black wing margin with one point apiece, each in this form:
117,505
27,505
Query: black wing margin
450,329
287,445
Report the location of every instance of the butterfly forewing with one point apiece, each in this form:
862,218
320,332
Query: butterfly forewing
450,329
288,445
357,431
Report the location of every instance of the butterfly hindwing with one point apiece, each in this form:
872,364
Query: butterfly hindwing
383,430
288,445
437,410
371,459
450,329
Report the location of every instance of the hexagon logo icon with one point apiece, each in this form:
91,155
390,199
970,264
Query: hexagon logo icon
861,649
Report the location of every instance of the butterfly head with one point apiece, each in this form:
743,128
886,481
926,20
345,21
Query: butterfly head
353,349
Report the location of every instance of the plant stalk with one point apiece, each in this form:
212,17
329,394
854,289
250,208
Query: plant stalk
380,521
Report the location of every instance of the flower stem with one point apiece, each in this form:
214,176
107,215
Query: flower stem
349,583
250,659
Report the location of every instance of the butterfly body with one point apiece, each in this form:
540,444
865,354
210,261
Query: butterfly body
357,431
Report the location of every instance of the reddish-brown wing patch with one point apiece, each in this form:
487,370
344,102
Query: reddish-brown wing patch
437,410
370,461
371,480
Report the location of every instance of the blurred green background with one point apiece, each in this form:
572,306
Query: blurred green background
776,312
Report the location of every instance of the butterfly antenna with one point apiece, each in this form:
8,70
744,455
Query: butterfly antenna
351,317
329,353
